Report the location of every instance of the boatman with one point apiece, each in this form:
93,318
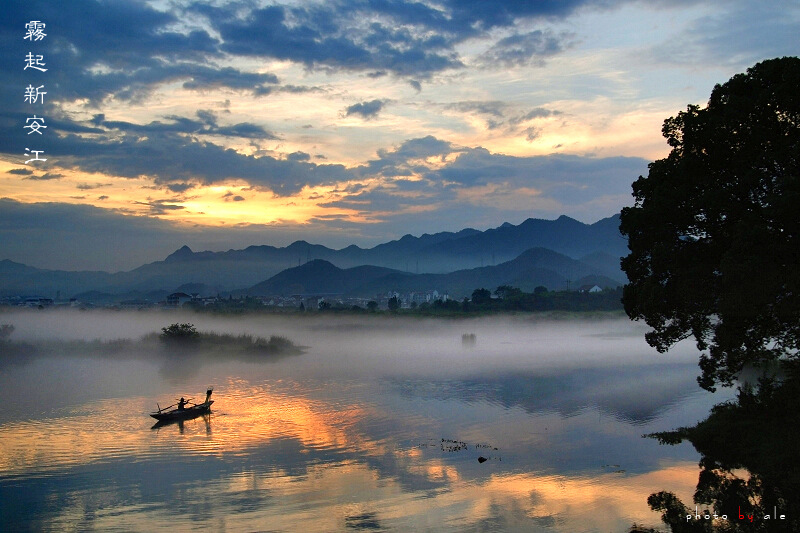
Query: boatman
181,403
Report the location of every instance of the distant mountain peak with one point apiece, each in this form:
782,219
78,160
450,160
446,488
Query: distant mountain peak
181,254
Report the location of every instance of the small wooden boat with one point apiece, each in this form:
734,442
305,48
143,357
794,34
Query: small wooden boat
184,409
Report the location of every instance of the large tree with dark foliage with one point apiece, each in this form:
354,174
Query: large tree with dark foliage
715,230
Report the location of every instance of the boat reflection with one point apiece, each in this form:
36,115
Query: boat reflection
180,423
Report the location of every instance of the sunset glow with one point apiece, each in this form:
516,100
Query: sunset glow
401,122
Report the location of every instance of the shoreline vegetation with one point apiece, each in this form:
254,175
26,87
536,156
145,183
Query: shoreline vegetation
504,299
179,340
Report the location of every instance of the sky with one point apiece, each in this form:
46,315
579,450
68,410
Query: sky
226,124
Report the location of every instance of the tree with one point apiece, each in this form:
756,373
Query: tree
180,333
507,292
714,231
481,296
394,303
372,306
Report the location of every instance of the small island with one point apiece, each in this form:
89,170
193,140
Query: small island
176,340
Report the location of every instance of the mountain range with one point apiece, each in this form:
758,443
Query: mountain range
535,252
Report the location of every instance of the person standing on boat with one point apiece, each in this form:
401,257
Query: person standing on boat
181,404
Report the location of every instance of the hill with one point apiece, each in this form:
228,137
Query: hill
534,267
597,247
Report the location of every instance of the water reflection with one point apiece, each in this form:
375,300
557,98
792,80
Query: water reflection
295,446
327,456
181,423
749,478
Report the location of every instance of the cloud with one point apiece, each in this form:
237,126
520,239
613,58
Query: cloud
367,110
91,186
737,37
207,125
46,176
161,207
403,160
163,152
20,172
531,133
525,49
103,49
329,36
498,114
180,187
482,183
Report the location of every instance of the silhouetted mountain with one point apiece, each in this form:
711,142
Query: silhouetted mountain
17,279
318,276
532,268
599,244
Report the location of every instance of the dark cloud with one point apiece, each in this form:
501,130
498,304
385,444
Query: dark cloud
91,186
367,110
97,50
165,152
238,199
161,207
298,156
525,49
418,148
206,125
531,133
46,177
180,187
396,162
325,36
535,113
20,171
204,78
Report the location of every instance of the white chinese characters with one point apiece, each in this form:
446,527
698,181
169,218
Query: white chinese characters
34,32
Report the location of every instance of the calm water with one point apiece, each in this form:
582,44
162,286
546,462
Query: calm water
378,426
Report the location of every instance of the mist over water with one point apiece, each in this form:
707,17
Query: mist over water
378,424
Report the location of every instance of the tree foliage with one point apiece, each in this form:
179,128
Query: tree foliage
180,333
714,230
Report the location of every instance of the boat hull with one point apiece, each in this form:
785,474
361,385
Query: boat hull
184,414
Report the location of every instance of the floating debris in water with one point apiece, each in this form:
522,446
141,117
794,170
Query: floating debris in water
458,446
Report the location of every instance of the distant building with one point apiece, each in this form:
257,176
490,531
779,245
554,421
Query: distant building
590,288
177,299
37,302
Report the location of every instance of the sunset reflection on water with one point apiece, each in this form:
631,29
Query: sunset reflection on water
287,449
